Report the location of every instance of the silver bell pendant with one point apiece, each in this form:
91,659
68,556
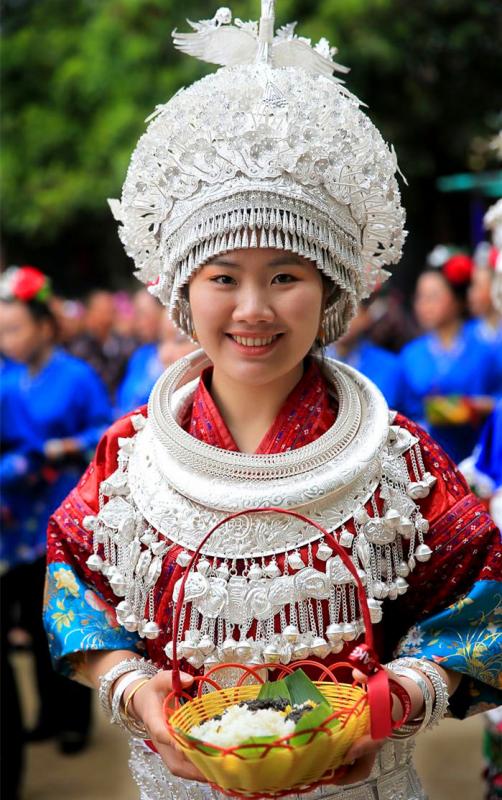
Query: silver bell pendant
375,608
423,552
300,651
206,646
349,632
243,651
320,647
272,570
255,572
271,654
228,650
95,562
295,560
291,634
150,630
203,566
324,551
334,633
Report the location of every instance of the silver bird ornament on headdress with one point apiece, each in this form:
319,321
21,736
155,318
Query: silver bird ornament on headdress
271,150
217,41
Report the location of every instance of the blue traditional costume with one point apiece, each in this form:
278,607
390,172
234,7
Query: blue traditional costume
379,365
66,399
143,369
466,369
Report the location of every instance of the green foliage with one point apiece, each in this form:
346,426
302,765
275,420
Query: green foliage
80,77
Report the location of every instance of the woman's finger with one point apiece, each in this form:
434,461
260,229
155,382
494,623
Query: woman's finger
358,771
363,746
178,764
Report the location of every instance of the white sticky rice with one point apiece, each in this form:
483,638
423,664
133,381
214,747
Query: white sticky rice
239,723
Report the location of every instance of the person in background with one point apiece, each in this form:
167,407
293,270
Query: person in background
392,325
54,410
124,322
163,344
100,345
69,316
487,321
449,380
356,349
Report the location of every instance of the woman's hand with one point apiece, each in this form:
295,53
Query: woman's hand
147,707
361,756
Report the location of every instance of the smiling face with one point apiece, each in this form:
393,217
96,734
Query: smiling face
256,313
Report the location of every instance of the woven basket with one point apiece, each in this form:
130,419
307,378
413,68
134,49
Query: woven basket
281,767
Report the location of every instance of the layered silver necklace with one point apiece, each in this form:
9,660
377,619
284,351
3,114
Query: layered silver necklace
265,587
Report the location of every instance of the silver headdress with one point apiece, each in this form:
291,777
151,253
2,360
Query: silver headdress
270,151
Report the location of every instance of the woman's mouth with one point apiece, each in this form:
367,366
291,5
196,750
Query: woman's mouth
254,344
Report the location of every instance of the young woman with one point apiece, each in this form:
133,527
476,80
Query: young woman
450,374
263,239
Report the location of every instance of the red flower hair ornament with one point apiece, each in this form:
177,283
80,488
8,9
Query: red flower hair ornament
458,269
25,283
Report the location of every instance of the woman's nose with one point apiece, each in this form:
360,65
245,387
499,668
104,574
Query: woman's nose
253,305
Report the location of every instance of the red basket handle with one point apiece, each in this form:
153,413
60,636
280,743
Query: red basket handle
363,657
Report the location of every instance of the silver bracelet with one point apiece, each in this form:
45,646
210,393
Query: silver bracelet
107,680
415,726
441,699
121,685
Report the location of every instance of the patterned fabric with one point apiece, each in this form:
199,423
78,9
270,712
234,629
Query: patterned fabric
465,542
77,617
306,414
466,637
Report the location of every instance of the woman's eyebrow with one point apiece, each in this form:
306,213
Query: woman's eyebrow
286,259
279,261
221,263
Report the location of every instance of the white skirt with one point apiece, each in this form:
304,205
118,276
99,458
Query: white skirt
393,777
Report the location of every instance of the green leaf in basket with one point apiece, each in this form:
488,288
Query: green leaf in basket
312,719
255,752
204,748
272,689
301,688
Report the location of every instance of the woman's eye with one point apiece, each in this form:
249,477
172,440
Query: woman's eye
284,278
224,280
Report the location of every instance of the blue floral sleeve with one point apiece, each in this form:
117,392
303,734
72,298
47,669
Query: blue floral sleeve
78,619
465,637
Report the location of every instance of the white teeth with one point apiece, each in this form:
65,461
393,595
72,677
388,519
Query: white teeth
253,342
